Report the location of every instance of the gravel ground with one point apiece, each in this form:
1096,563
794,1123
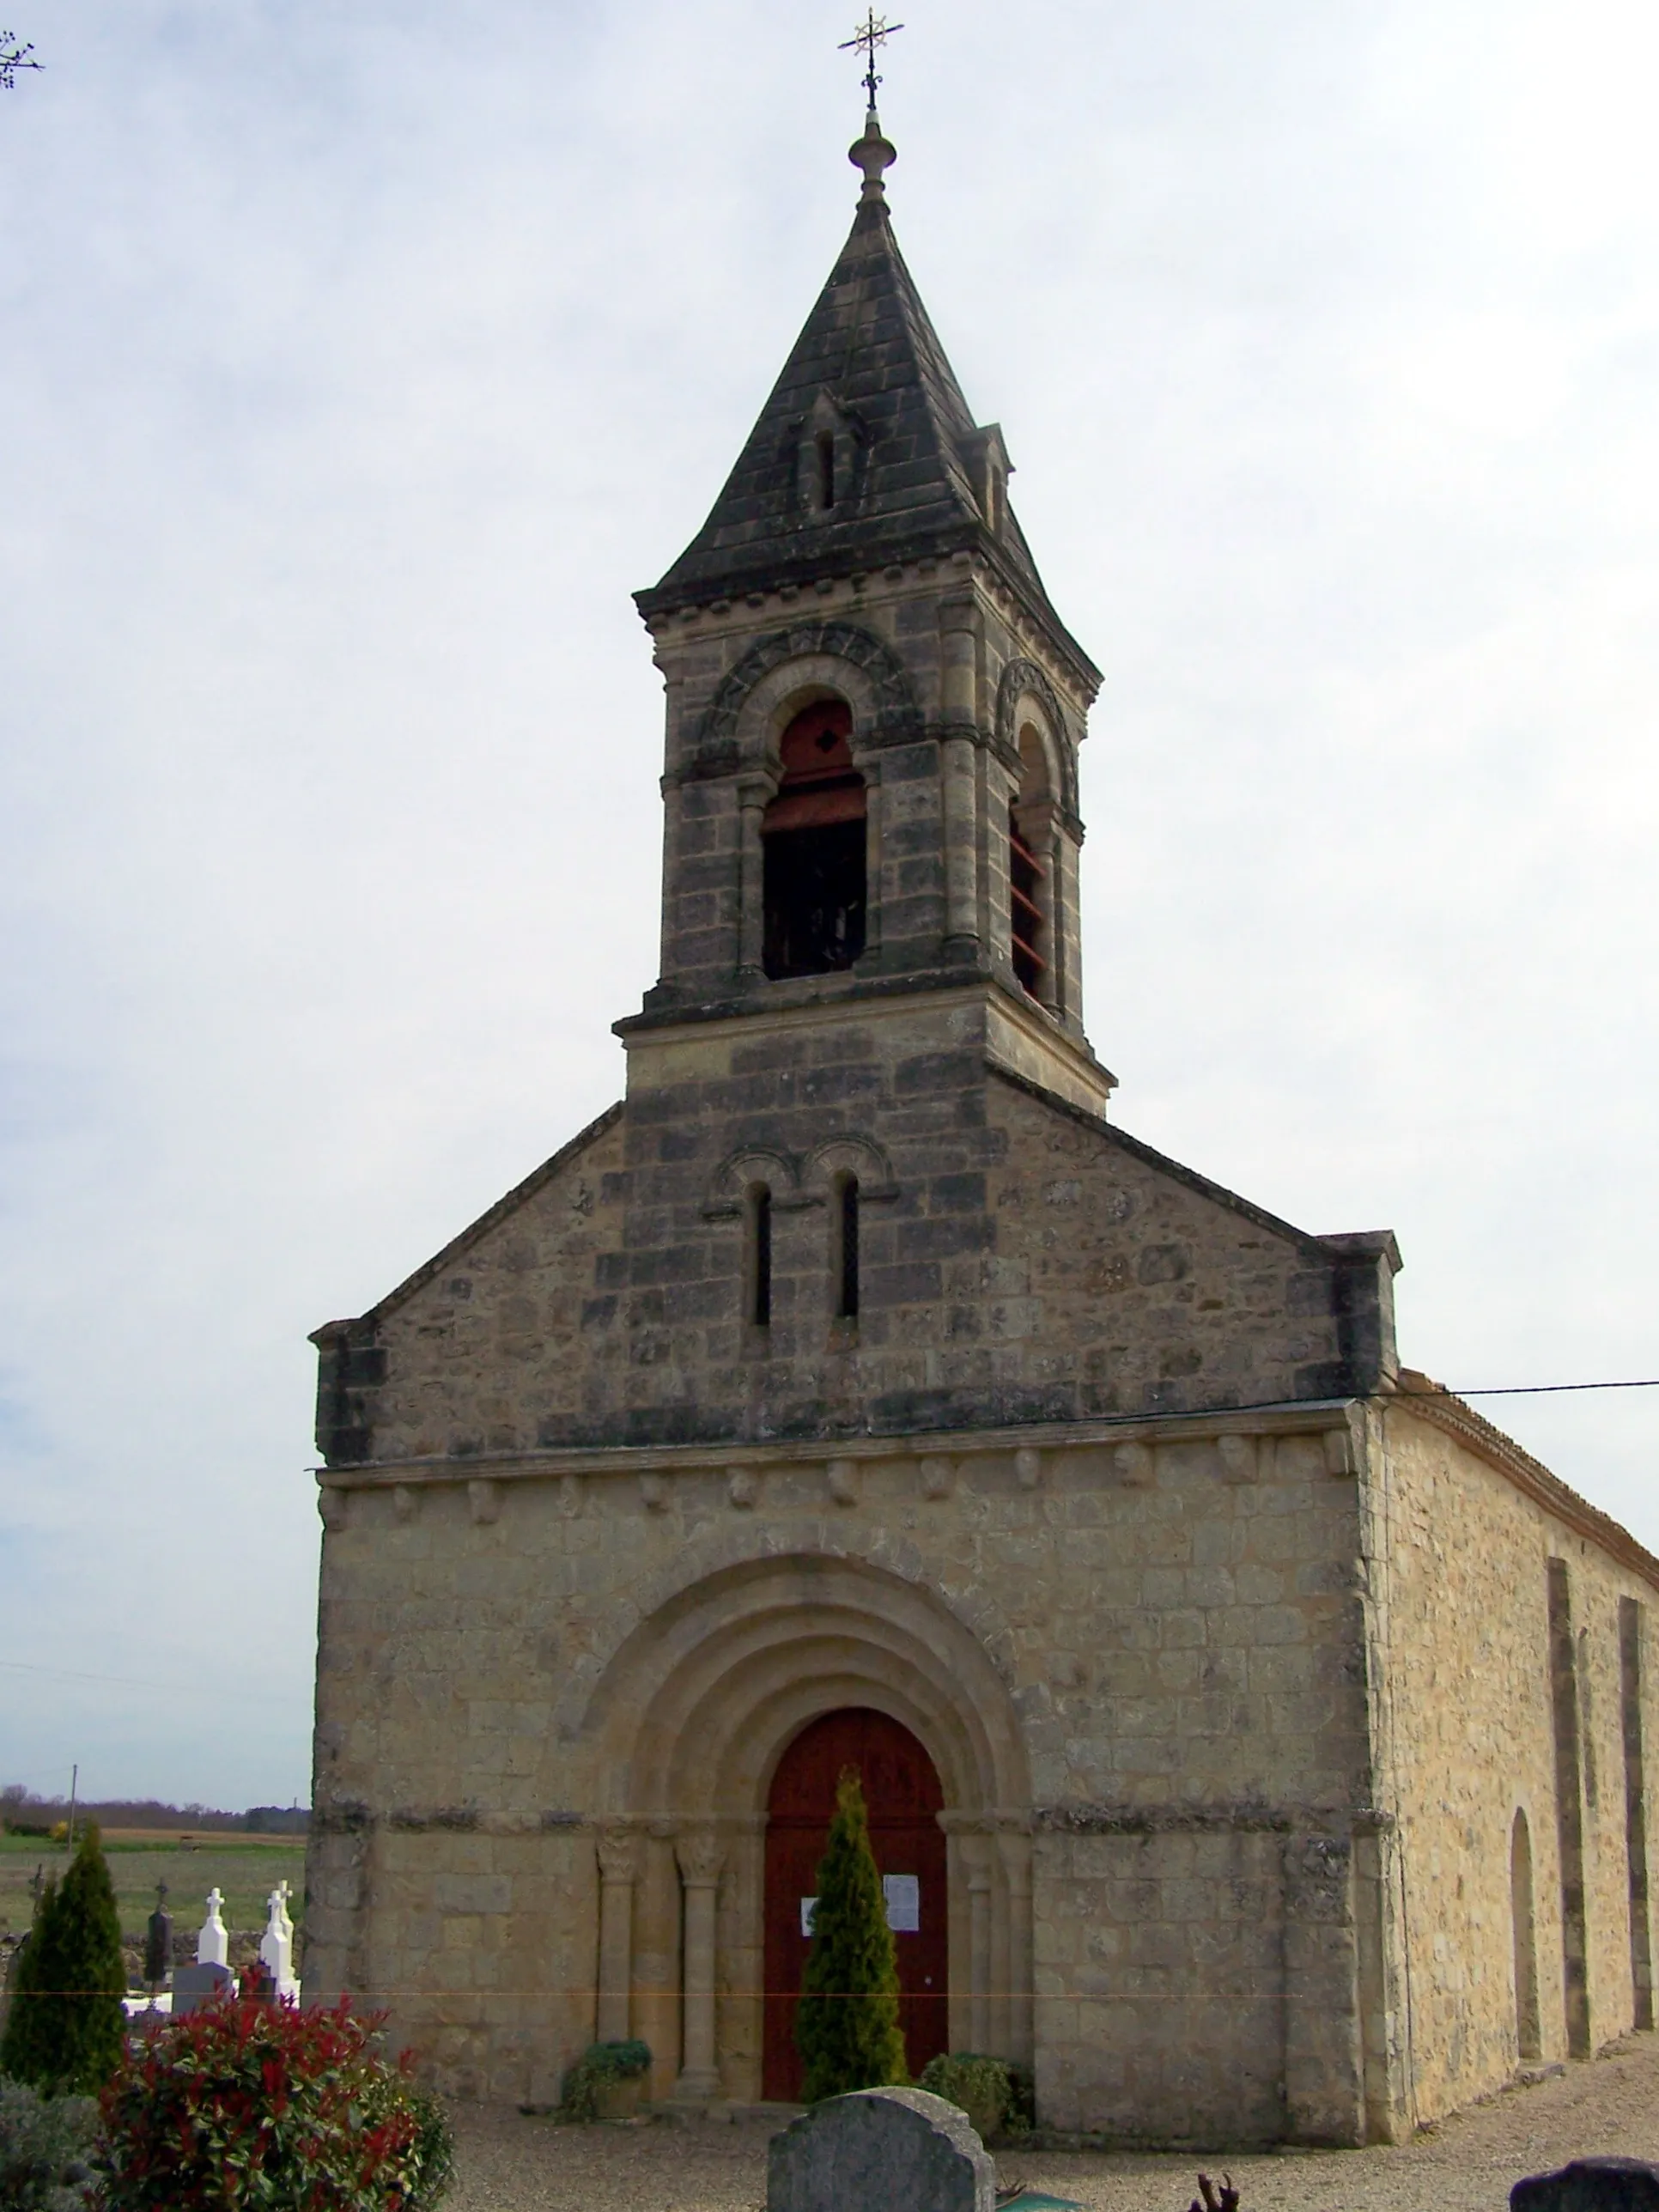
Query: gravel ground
1464,2164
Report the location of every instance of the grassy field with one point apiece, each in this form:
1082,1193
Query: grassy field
245,1869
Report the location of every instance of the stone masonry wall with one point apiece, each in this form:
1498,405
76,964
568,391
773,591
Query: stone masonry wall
1170,1617
1018,1262
1467,1712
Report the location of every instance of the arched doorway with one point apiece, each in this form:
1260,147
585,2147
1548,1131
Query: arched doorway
902,1791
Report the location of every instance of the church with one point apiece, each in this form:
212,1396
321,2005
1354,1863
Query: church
1252,1735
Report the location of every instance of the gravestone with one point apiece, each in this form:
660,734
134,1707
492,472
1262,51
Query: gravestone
1590,2185
195,1986
213,1944
876,2149
277,1945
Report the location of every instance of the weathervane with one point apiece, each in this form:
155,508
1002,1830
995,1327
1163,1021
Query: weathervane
875,32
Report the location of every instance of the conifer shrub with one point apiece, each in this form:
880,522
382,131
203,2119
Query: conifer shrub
65,2027
847,2028
244,2104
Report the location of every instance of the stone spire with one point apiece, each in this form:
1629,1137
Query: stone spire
914,478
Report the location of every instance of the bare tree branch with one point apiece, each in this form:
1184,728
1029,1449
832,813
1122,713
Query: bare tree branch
13,57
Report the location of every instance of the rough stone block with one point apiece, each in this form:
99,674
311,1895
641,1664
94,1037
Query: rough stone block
1590,2185
880,2150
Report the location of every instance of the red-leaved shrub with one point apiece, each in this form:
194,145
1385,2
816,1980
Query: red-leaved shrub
244,2104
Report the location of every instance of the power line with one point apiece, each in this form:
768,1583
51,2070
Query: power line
139,1682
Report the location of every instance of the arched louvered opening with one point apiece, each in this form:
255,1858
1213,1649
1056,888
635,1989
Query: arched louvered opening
813,838
1030,872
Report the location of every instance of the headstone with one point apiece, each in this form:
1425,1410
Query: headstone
876,2149
158,1939
1590,2185
213,1944
276,1944
195,1986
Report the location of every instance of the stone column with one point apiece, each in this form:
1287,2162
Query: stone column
619,1869
976,1857
753,792
958,711
1016,1853
701,1853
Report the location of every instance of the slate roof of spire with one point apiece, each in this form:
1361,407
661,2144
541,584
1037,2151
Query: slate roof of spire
869,345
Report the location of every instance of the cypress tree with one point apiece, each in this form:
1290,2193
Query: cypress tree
66,2025
847,2029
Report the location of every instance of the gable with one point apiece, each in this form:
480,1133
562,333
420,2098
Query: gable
1168,1292
478,1344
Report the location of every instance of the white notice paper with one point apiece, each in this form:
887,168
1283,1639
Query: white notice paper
809,1906
903,1894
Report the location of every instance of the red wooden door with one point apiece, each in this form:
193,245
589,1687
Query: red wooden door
902,1791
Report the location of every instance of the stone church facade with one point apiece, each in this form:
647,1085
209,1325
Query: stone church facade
1253,1735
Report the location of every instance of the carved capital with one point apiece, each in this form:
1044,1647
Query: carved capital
701,1853
619,1854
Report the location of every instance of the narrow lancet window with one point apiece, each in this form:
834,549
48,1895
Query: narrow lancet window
826,447
758,1268
845,1253
813,840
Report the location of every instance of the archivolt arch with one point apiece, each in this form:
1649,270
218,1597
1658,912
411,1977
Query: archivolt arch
1024,680
749,1163
695,1705
822,656
850,1154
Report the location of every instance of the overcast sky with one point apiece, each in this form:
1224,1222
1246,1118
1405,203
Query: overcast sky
357,362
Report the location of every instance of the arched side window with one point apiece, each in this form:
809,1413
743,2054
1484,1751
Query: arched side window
1030,872
757,1257
813,868
1528,2041
844,1246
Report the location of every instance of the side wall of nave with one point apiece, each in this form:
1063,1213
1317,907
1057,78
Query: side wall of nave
1515,1714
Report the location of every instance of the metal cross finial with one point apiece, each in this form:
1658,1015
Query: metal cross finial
875,32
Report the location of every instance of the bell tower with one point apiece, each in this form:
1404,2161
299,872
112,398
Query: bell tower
874,711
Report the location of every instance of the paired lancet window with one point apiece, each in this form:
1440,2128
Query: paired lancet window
813,866
843,1252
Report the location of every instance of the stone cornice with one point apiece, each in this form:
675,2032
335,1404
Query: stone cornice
1287,1416
1428,1401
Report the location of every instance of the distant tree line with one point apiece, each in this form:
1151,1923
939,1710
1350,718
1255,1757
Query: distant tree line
25,1814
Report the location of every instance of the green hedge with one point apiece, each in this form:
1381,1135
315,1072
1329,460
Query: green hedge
995,2093
600,2063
